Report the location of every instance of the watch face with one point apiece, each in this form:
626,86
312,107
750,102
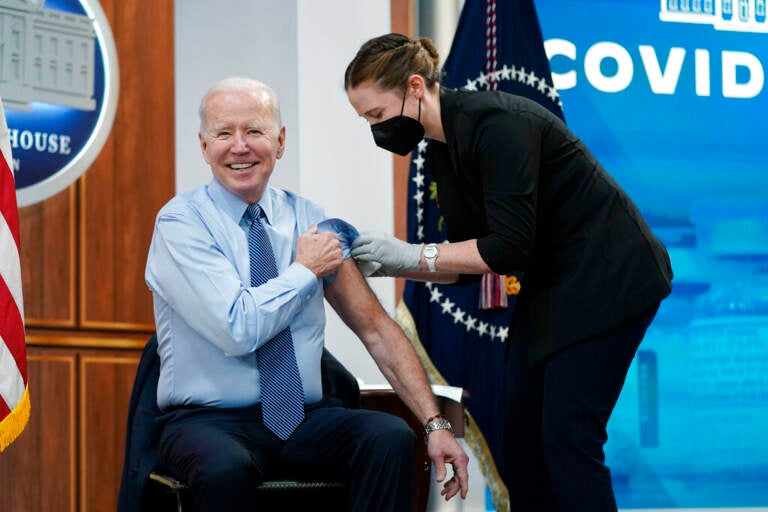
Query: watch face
430,251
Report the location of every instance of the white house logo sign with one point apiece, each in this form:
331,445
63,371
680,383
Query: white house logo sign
59,85
731,15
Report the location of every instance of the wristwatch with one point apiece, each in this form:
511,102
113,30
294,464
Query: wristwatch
440,423
430,256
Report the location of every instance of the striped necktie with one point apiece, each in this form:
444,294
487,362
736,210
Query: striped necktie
282,395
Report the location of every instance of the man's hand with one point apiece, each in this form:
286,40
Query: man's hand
319,252
443,448
394,255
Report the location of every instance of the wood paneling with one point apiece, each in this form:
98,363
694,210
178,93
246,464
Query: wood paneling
86,339
87,308
403,14
106,379
84,249
48,242
133,175
70,455
38,471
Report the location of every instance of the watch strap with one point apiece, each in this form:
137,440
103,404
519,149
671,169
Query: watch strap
431,260
438,424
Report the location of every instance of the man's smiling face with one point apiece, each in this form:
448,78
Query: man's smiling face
242,141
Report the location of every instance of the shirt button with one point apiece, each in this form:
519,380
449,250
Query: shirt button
309,296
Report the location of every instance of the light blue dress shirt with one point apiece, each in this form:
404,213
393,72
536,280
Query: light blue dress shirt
209,320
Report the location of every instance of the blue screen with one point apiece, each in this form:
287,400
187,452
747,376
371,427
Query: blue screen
671,98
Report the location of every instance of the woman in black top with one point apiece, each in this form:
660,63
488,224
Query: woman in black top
520,192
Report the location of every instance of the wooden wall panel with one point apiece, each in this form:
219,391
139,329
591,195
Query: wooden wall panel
87,308
106,379
403,14
134,174
48,242
38,471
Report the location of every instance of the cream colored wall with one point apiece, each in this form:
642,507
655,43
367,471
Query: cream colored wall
300,48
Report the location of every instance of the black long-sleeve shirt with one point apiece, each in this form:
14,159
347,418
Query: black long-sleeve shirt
512,175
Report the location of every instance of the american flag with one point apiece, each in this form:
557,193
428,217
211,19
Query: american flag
14,395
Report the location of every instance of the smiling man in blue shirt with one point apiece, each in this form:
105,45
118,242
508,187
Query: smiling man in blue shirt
211,322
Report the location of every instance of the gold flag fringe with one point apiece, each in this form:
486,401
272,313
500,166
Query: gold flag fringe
472,434
13,425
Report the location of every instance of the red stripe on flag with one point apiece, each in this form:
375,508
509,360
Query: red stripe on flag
4,409
8,200
11,323
12,328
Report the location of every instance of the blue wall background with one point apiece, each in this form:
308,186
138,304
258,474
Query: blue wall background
691,426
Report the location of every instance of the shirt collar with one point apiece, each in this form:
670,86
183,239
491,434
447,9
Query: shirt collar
235,207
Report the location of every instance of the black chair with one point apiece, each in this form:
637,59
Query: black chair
283,495
146,488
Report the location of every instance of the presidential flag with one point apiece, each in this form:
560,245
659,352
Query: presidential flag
14,395
460,331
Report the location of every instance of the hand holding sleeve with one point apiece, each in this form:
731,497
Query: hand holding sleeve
346,232
392,254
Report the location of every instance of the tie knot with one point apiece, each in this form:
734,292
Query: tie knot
254,212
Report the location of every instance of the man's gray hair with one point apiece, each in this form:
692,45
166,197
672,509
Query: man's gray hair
237,83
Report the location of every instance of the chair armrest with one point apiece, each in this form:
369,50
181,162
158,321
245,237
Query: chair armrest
167,481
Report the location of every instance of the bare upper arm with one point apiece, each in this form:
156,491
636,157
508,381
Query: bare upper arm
354,301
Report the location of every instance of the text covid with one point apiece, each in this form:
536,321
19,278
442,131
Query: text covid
741,73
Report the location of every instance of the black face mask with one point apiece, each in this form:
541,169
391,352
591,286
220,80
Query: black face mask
399,134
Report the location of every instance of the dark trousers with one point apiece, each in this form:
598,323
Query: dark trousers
556,417
224,454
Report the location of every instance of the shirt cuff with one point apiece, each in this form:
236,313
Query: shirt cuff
303,280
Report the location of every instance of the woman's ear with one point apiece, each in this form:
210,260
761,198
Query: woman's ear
416,85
